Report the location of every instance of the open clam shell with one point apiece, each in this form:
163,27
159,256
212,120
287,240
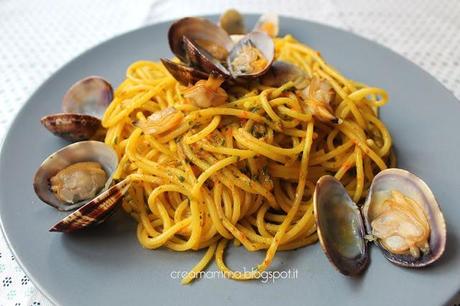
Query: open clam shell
202,59
205,48
340,227
85,151
253,41
406,214
94,212
206,34
415,188
83,105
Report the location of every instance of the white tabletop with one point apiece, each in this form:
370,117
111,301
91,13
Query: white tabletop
37,37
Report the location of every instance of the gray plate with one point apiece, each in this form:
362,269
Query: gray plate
106,265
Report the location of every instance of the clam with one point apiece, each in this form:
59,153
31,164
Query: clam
232,22
205,48
72,127
199,57
252,56
399,197
400,215
74,175
340,227
82,107
206,34
268,23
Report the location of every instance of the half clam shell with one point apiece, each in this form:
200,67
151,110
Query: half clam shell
72,127
415,188
85,151
89,96
232,22
254,41
340,227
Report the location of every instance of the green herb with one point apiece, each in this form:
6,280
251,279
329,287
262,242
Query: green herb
181,178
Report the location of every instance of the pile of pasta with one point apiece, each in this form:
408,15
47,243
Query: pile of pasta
244,171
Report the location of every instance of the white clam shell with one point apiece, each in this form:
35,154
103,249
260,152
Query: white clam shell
78,152
415,188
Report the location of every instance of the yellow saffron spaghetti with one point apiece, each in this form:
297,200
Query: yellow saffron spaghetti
242,171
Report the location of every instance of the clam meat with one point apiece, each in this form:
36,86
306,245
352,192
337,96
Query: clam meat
78,182
400,225
404,219
206,93
252,56
80,176
72,176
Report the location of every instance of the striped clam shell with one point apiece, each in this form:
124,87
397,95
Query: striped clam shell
94,212
82,107
72,127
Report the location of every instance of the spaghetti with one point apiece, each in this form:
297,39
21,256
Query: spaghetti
244,170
